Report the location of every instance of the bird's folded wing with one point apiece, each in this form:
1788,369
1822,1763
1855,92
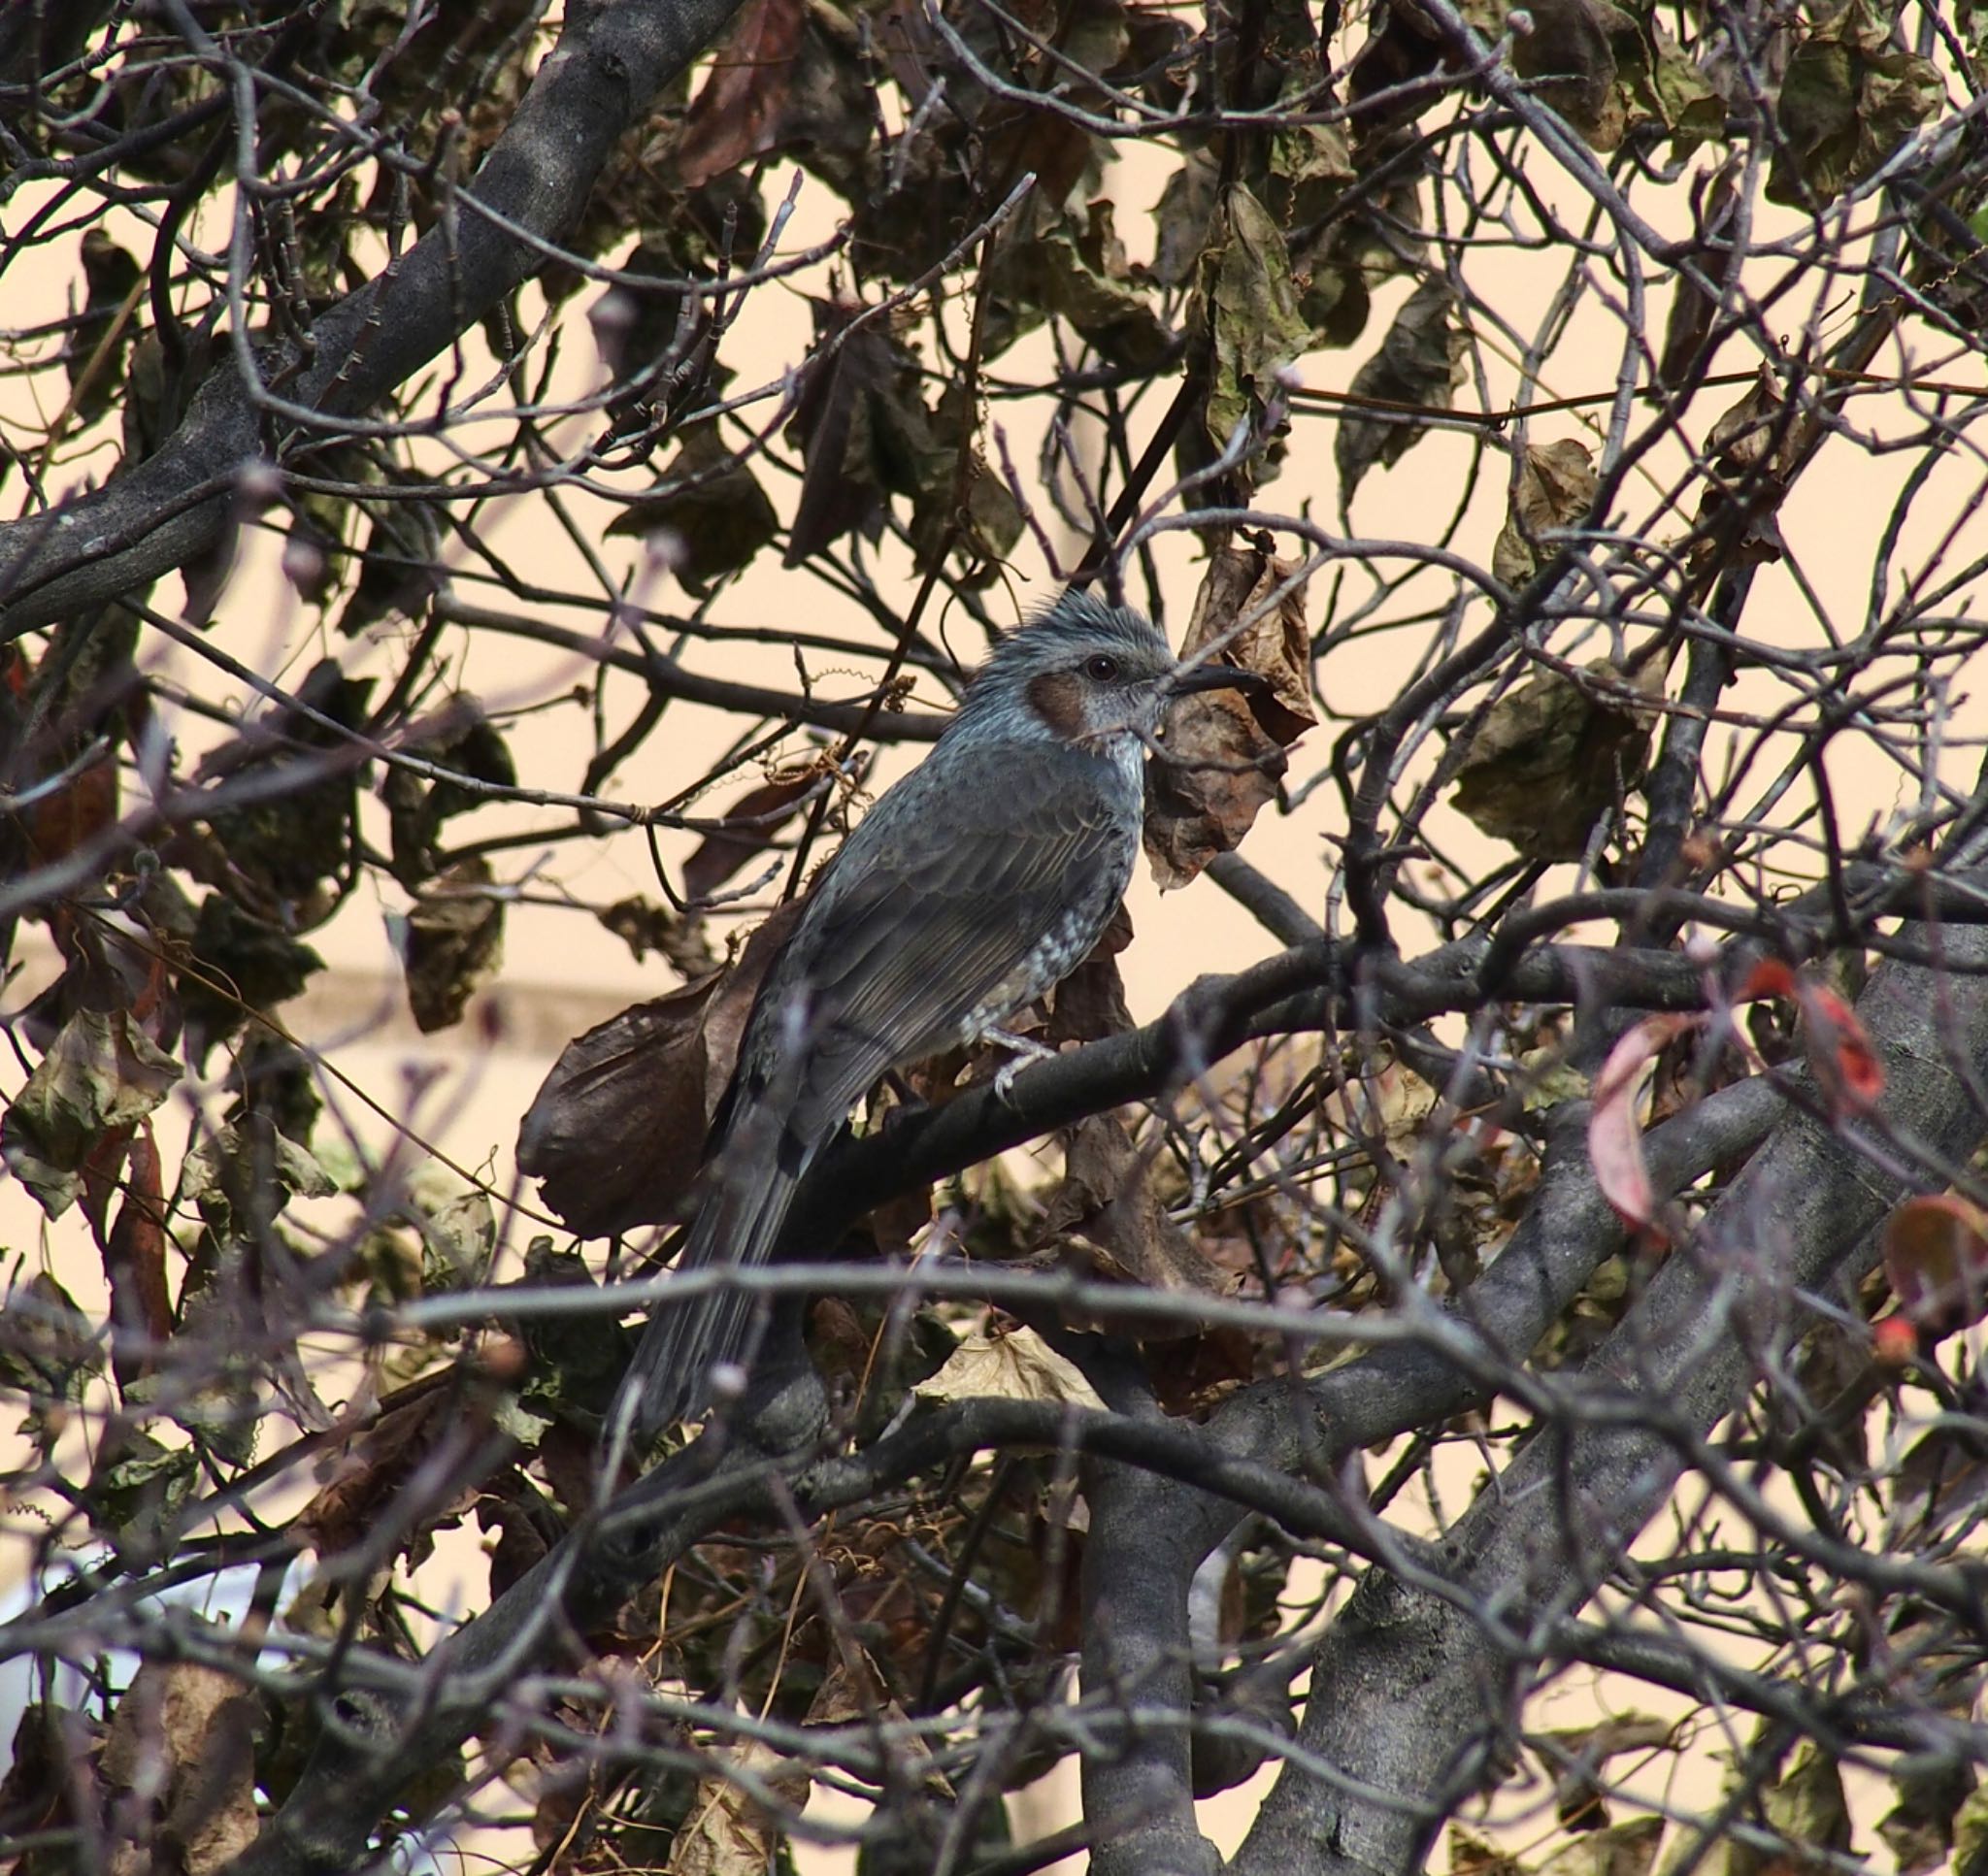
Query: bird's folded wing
928,918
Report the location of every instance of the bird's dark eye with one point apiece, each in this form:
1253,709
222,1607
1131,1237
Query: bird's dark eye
1101,667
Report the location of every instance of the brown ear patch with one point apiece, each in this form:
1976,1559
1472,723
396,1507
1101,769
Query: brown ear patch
1057,697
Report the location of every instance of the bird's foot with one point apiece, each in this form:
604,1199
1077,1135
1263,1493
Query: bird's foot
1021,1053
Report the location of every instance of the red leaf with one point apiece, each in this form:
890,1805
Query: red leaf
1770,977
1615,1134
1936,1254
1839,1046
1839,1050
1894,1341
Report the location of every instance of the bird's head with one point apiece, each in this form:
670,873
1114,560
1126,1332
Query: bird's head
1087,673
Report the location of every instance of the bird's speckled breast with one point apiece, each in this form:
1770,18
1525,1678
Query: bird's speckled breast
1081,921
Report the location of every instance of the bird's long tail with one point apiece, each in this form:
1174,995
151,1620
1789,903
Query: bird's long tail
738,1225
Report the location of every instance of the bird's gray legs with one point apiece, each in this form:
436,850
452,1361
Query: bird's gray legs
1020,1053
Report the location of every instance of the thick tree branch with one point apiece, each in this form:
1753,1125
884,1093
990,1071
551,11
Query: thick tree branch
1411,1691
613,58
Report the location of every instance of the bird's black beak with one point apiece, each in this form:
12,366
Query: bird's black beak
1213,677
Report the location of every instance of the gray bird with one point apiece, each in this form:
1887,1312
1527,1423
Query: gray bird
974,885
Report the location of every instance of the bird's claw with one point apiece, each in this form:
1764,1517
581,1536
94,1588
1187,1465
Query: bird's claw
1021,1054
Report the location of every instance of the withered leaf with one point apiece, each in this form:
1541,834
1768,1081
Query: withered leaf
1919,1829
135,1263
137,1488
1251,307
465,741
1224,752
754,819
1572,62
1552,756
1574,1758
1809,1808
1016,1367
48,1354
1088,1005
1657,82
738,114
101,1073
1185,214
454,943
863,430
616,1134
728,1831
1556,486
1850,96
1081,273
1755,447
95,353
185,1736
1692,310
1420,363
239,963
1107,1197
1626,1849
361,1478
711,511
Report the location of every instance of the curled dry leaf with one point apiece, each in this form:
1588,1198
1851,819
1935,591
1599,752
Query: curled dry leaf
1107,1197
1252,309
753,820
1626,1849
711,511
1614,1133
1224,750
1754,449
616,1134
728,1830
1936,1254
1553,755
1420,364
1556,488
135,1263
365,1472
185,1736
739,113
454,944
1575,1758
1016,1367
102,1073
1571,59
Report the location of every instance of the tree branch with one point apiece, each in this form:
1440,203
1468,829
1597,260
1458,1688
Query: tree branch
612,59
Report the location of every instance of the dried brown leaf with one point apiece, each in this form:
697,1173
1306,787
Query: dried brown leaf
616,1134
1421,364
1224,752
738,114
1556,487
101,1073
1107,1197
454,943
1553,755
1016,1367
185,1736
360,1477
728,1831
753,820
135,1262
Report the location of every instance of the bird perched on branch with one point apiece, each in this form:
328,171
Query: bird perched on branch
974,885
